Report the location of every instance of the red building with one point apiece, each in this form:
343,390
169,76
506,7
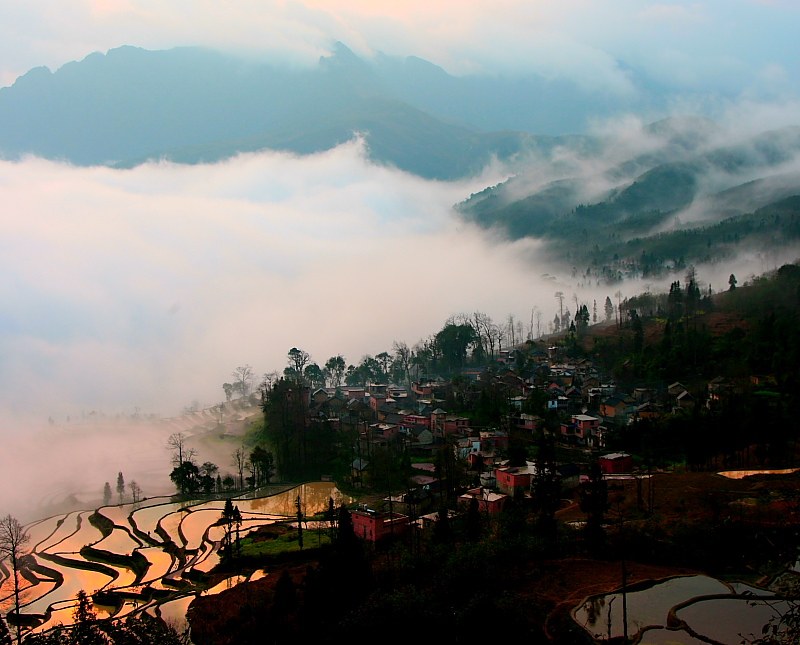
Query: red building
374,526
618,462
513,478
488,502
416,420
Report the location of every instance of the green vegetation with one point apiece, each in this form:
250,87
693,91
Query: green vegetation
288,542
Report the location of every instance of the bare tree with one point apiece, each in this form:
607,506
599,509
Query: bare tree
559,295
240,458
298,359
136,491
12,540
243,379
402,359
180,451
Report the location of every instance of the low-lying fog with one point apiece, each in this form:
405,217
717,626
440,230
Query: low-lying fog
141,290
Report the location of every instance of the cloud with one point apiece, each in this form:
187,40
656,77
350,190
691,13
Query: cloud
145,287
715,46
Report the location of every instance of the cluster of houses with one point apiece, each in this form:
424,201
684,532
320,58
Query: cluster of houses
589,406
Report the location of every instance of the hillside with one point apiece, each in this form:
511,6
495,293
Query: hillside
194,105
690,196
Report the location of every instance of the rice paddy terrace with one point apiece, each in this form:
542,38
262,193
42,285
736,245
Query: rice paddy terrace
145,557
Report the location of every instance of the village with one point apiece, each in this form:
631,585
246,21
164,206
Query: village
582,408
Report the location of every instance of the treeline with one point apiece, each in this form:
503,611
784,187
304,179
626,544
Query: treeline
749,422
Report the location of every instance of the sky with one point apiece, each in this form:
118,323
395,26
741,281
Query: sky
141,290
734,48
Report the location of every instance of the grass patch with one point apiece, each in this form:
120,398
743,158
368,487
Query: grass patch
286,543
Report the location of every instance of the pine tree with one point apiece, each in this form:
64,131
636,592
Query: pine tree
120,486
5,635
474,526
106,494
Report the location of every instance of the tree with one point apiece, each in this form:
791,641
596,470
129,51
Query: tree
228,389
608,308
13,539
384,359
314,376
136,492
240,460
242,379
473,521
5,635
593,496
559,295
231,517
334,370
106,494
180,451
298,359
285,600
208,473
120,486
263,466
402,360
298,505
86,631
186,477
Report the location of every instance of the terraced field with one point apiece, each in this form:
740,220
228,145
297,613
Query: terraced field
134,558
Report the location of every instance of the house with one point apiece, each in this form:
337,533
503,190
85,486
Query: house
615,463
511,479
383,431
464,446
584,430
455,424
676,389
353,392
357,469
493,439
374,526
420,434
527,422
646,411
377,401
424,390
615,406
438,418
684,400
488,502
480,459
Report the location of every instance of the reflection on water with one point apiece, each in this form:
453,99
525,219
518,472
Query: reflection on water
67,534
174,611
74,580
228,583
68,527
146,519
741,474
602,615
171,523
313,497
118,541
729,620
661,636
86,534
160,562
40,531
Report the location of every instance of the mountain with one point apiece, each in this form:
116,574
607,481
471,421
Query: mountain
192,105
681,175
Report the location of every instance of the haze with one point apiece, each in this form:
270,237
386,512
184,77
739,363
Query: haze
140,290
